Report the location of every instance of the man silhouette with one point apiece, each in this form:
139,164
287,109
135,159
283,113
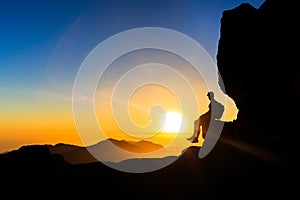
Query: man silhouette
204,119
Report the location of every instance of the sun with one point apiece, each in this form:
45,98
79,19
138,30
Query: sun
172,122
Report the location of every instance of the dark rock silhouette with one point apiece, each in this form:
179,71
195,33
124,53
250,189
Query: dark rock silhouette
32,159
259,70
30,170
256,155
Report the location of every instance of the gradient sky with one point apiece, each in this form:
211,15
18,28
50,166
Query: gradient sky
42,44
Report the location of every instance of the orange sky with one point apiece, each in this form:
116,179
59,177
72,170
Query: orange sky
38,116
48,119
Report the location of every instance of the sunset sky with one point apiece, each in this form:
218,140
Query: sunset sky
43,43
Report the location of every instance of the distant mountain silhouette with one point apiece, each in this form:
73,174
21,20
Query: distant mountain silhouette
141,146
75,154
225,172
255,157
62,148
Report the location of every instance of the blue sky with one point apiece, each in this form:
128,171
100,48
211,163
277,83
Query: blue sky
33,32
43,43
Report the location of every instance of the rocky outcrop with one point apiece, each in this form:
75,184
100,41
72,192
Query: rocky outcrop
258,63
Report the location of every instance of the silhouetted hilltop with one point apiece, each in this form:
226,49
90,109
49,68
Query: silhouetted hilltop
32,158
30,170
258,62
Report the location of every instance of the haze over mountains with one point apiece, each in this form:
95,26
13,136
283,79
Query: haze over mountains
256,155
76,155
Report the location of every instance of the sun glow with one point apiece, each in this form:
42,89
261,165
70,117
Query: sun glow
172,122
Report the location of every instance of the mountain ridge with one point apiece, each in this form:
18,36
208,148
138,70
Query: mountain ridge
79,154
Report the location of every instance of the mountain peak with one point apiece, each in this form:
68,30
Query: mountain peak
141,146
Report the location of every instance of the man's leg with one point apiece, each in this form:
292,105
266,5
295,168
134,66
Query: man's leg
205,121
195,140
196,128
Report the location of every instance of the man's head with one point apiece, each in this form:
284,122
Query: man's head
210,95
